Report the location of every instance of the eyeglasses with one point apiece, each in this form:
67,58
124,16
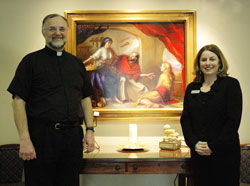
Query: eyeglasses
54,29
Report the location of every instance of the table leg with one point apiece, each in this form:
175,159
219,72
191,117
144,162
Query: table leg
182,180
185,180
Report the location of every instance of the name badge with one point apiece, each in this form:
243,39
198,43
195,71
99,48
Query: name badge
195,91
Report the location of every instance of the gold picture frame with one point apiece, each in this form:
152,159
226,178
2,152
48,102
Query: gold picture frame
118,24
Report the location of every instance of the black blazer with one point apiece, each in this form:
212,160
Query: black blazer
213,116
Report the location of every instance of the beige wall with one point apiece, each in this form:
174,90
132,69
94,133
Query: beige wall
223,22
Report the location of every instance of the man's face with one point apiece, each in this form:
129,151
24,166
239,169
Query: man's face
133,57
55,33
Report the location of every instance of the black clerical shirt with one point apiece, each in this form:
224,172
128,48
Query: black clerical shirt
52,85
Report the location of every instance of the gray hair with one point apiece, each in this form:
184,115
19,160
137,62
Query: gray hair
52,16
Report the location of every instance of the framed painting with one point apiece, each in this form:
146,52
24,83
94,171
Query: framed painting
139,62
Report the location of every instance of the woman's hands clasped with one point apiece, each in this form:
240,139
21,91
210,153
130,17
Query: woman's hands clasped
202,148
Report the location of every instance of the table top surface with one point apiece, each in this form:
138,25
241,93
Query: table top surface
148,152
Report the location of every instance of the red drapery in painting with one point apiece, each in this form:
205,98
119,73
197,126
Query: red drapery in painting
172,35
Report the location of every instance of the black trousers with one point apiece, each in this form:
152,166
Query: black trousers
219,170
59,155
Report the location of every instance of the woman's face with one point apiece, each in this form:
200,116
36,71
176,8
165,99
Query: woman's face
164,67
209,63
108,44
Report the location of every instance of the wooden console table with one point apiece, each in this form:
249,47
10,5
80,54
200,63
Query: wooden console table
108,160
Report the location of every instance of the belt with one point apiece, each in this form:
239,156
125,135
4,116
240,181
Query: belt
59,126
56,125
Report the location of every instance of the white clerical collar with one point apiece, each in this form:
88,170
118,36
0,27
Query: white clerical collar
59,53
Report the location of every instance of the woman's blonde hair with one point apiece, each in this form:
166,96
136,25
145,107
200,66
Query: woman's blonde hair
222,60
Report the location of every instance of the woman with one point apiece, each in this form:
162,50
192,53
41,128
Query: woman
104,75
163,91
211,119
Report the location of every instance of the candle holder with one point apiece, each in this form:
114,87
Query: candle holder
132,141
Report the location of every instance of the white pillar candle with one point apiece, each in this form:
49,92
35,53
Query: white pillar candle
132,133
